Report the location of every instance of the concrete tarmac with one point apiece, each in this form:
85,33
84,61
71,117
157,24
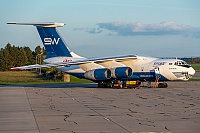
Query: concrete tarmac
86,109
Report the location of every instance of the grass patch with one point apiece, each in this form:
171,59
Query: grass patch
29,77
194,79
74,79
18,77
196,66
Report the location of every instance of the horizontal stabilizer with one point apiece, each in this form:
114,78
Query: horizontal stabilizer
48,24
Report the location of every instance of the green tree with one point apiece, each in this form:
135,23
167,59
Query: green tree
44,51
5,60
14,52
2,60
38,50
22,58
12,56
29,55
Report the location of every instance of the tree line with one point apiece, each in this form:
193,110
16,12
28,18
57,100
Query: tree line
13,56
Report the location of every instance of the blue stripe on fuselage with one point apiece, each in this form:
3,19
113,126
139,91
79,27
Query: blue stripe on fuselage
146,76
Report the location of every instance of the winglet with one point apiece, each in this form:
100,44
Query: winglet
48,24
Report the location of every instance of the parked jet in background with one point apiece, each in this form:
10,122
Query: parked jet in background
105,70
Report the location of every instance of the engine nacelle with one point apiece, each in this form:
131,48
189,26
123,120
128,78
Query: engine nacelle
121,72
98,74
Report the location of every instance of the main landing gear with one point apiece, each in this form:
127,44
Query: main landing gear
104,85
162,85
118,84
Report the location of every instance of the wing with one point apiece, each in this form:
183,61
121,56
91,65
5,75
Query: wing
85,63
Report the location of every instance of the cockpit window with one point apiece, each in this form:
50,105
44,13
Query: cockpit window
181,63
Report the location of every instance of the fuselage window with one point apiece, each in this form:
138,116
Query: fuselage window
181,63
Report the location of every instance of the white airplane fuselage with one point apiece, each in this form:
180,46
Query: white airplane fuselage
141,68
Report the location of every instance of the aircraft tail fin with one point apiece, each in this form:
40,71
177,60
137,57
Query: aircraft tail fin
51,39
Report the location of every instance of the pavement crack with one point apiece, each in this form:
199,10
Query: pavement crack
67,116
166,128
54,129
96,111
147,124
52,107
134,111
143,97
130,115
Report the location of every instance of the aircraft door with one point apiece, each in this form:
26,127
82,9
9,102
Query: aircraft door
157,72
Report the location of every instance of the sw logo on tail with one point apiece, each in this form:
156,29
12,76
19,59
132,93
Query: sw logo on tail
49,41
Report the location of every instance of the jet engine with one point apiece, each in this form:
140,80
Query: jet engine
121,72
98,74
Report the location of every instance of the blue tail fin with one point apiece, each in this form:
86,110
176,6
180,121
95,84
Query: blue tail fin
51,39
53,43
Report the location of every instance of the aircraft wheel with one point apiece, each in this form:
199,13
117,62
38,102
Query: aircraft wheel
100,85
109,85
166,85
149,84
162,85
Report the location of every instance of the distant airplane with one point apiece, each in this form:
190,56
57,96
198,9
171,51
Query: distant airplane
105,70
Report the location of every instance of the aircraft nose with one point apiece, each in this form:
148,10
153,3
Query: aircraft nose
191,71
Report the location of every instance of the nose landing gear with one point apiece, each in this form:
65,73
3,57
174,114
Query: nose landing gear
162,85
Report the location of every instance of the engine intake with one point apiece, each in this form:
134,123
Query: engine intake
98,74
121,72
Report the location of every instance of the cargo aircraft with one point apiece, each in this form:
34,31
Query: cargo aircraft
105,70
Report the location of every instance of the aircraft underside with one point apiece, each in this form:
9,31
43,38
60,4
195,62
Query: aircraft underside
133,81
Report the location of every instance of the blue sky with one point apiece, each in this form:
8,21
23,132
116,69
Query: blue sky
160,28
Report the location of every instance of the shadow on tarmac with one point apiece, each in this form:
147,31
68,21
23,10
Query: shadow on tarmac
83,85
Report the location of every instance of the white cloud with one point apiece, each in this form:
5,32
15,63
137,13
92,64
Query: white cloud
138,28
90,30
